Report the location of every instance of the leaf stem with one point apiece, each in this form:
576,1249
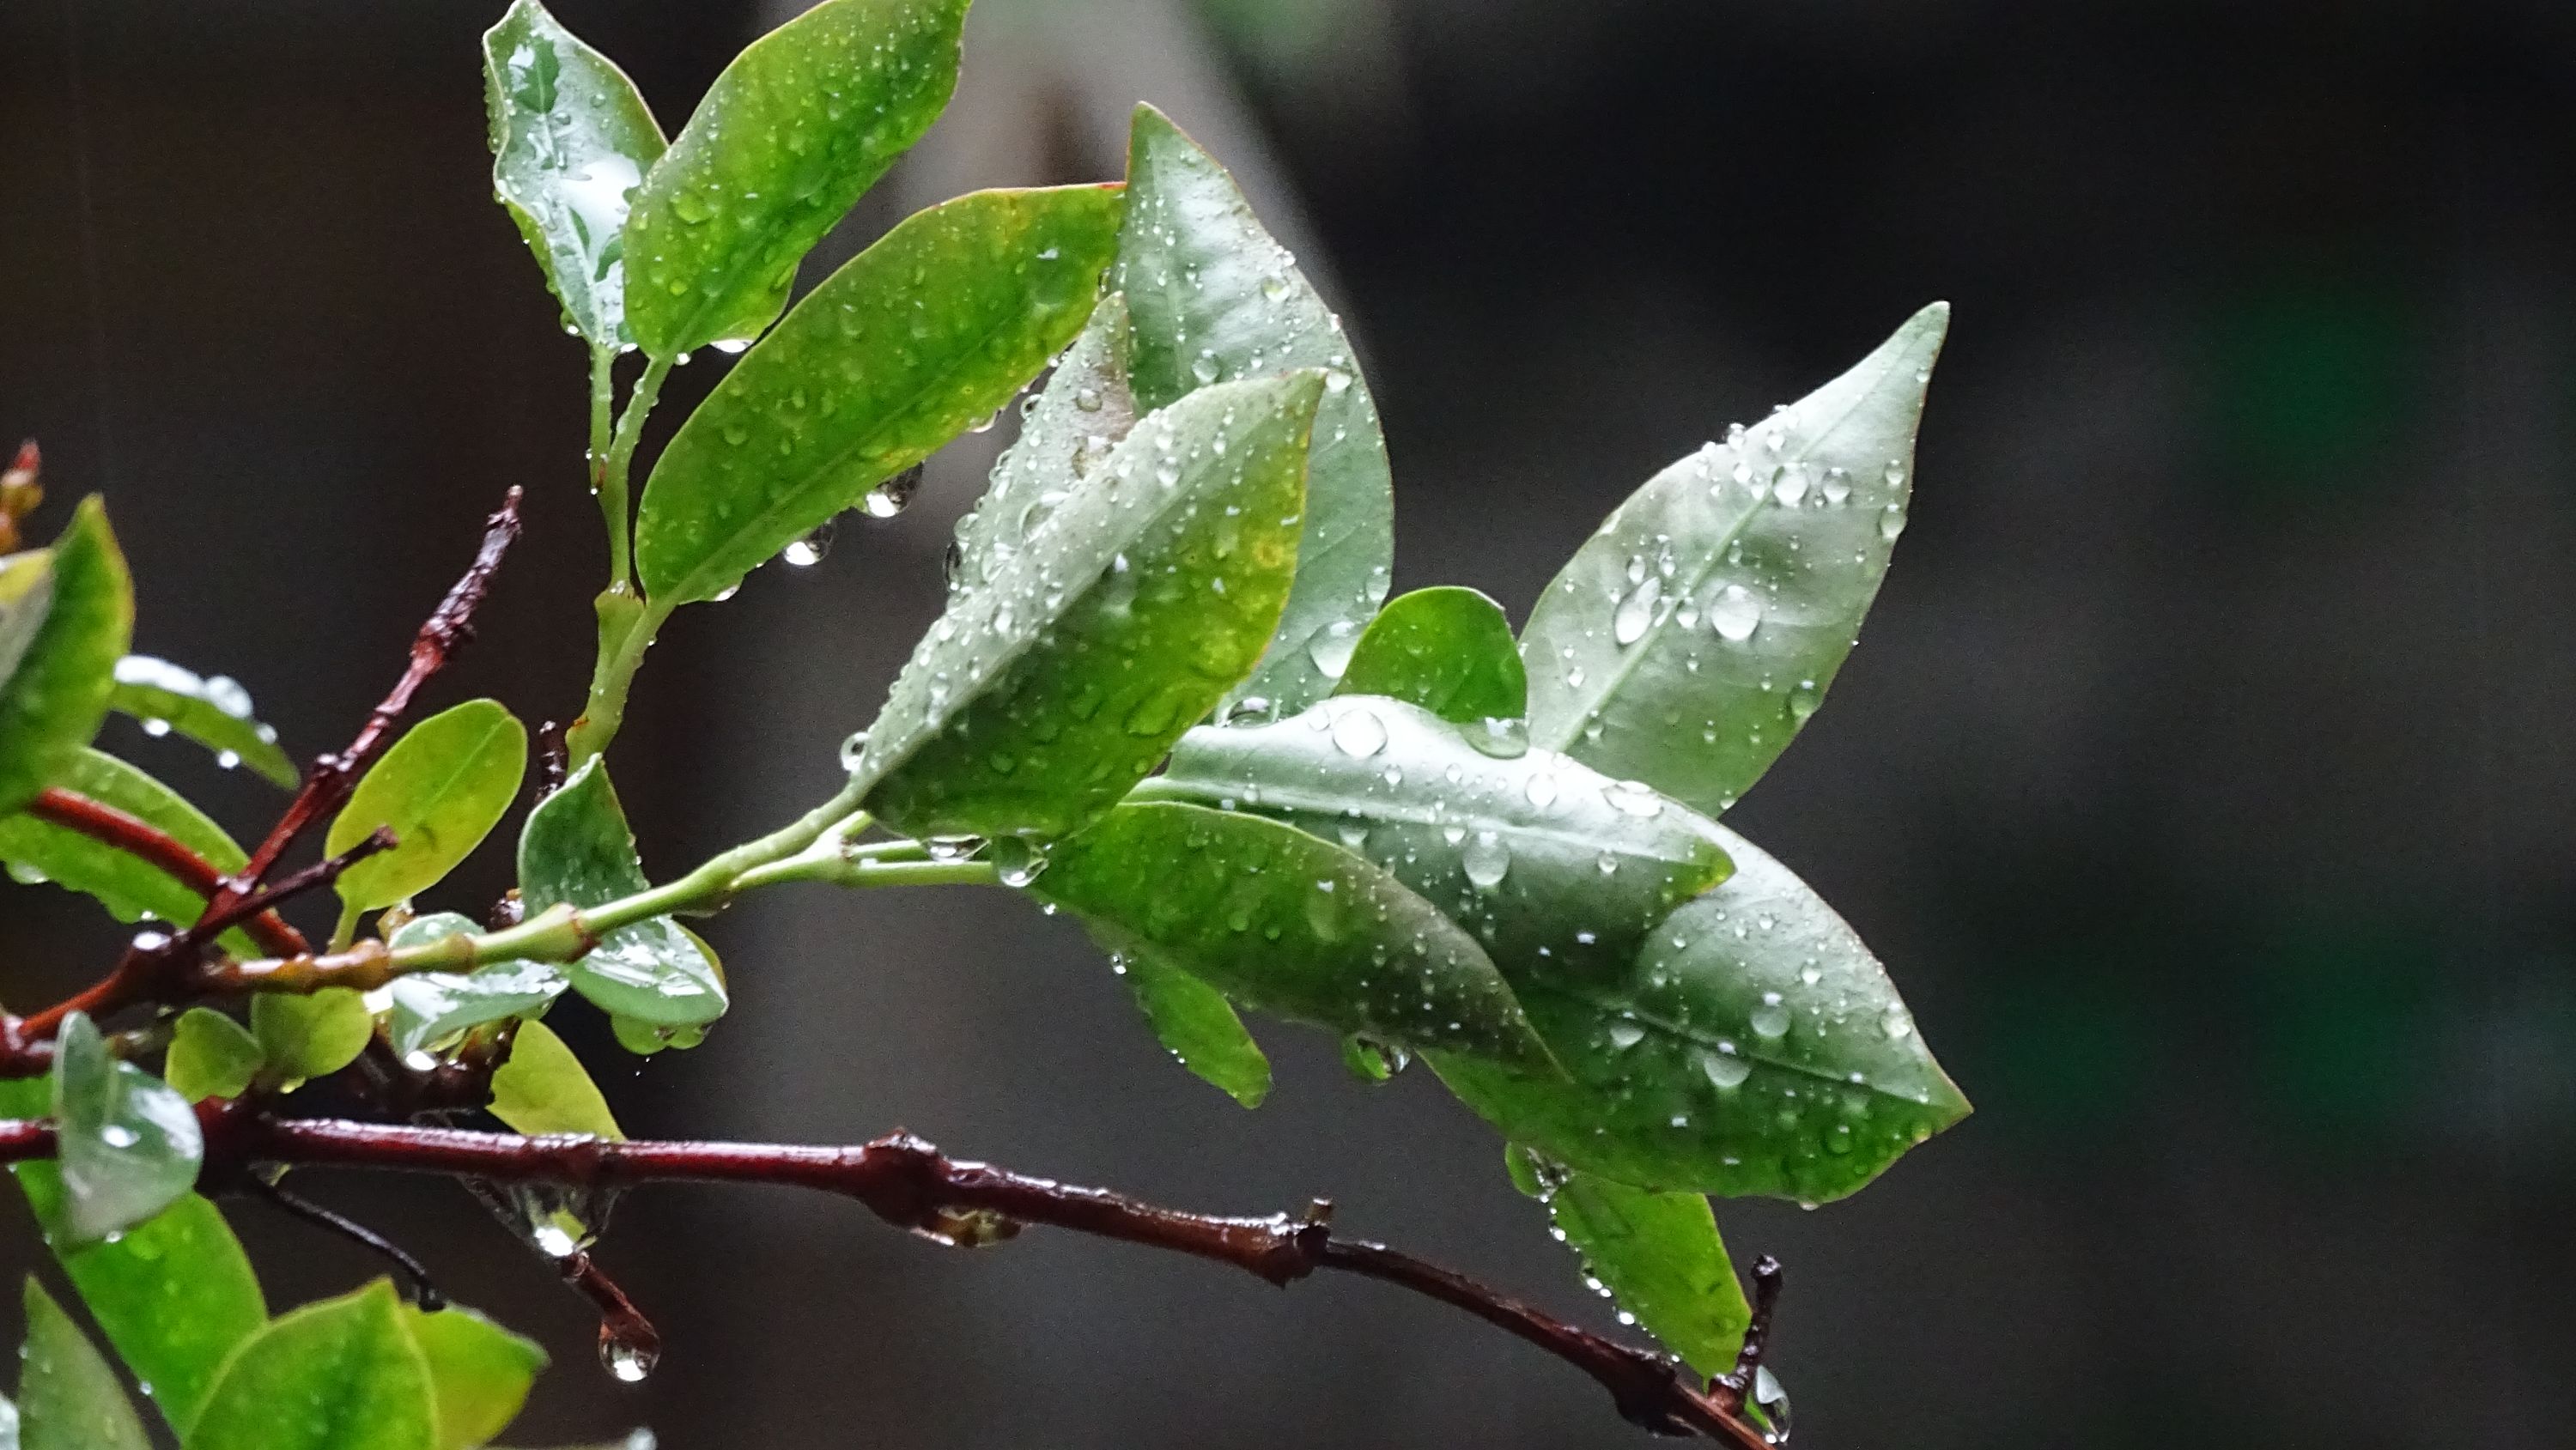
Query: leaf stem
627,621
608,485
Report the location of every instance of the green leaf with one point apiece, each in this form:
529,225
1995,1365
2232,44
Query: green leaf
543,1088
1698,628
571,139
211,1056
1287,924
131,888
1755,1047
1195,1022
1213,298
343,1374
1039,699
1448,650
441,789
479,1371
311,1036
790,135
934,327
216,713
26,593
174,1294
69,1397
1658,1254
1083,412
1556,868
577,850
53,703
127,1144
429,1007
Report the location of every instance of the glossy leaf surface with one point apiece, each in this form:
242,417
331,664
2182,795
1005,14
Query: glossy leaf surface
343,1374
543,1088
571,140
1040,698
431,1006
128,1146
129,887
26,592
441,789
69,1397
1554,867
1287,924
1085,410
1658,1254
931,329
1756,1047
211,1056
215,712
1199,1027
311,1036
795,129
1448,650
576,850
1214,298
1694,633
52,704
479,1372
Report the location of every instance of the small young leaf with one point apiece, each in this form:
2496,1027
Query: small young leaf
1287,924
1658,1254
311,1036
441,789
479,1372
1448,650
1557,869
571,139
343,1374
131,888
790,135
543,1088
69,1397
26,593
1691,636
1043,696
175,1295
1085,410
576,849
216,713
53,703
1213,297
1199,1026
128,1146
1755,1047
211,1056
935,326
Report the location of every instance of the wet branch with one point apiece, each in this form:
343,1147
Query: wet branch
163,852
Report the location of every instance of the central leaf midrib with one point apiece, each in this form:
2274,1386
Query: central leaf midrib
1629,1011
1339,805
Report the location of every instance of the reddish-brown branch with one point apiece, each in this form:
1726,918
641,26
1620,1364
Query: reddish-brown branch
156,848
910,1184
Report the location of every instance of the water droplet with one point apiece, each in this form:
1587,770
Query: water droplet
852,748
1633,798
1891,521
1624,1035
1204,367
629,1361
1357,732
809,550
117,1135
1770,1400
1735,613
156,728
1724,1069
1636,613
1791,486
1541,790
1771,1019
889,498
1803,701
1486,859
1017,860
1502,739
1330,647
1896,1024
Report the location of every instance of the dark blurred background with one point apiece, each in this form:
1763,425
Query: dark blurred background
2205,778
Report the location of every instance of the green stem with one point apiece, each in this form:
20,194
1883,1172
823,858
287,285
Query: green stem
347,929
627,622
607,484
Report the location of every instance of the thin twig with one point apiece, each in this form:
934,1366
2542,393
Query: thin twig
423,1292
166,853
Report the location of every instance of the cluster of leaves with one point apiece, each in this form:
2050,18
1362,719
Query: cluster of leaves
1167,697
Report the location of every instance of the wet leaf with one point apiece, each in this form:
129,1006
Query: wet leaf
931,329
1200,1028
429,1007
576,849
129,887
69,1397
1756,1047
1557,869
1448,650
1658,1255
1037,701
1083,412
571,140
479,1372
1215,298
216,713
1286,924
343,1374
790,135
441,789
26,593
311,1036
128,1146
174,1295
1689,638
211,1056
543,1088
52,704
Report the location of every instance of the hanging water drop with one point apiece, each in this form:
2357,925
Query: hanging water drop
889,498
808,551
852,748
1771,1401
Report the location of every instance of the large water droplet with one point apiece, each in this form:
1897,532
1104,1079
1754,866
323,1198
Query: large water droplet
1500,738
1770,1400
1357,732
1633,798
1541,790
1636,612
1330,647
808,551
1725,1069
1017,860
626,1359
1486,859
1735,613
1771,1019
889,498
853,748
